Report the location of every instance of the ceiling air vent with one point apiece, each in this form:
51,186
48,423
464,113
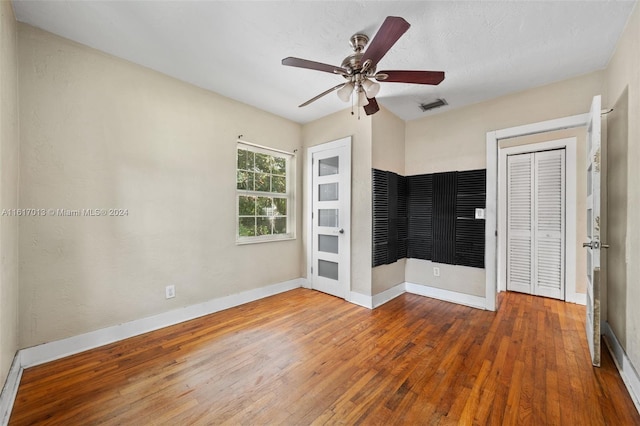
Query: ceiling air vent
432,105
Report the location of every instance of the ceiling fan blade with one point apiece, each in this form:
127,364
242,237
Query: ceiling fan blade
326,92
318,66
415,77
391,30
372,108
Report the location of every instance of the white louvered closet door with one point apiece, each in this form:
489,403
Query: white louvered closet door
535,223
549,224
520,223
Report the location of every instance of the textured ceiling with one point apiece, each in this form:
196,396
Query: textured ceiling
234,48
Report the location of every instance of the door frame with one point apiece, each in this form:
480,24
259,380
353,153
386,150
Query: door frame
491,213
570,212
339,143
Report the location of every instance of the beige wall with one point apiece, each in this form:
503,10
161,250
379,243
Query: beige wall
617,166
456,140
623,74
387,153
9,172
330,128
100,132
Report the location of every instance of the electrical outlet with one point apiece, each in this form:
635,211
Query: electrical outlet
170,291
436,271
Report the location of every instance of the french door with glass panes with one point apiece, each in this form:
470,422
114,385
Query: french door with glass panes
330,217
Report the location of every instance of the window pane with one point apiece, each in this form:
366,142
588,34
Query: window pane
328,269
279,166
328,191
280,225
263,163
257,172
242,159
247,206
328,243
279,184
262,182
264,206
264,226
245,180
280,205
247,226
328,166
328,217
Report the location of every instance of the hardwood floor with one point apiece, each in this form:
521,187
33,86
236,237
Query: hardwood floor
303,357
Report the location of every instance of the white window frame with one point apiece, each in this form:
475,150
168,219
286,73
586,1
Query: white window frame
289,194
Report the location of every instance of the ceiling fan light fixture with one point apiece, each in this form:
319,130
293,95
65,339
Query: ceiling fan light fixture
371,88
362,98
344,93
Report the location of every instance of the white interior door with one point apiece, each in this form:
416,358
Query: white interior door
549,224
331,218
593,231
520,249
536,223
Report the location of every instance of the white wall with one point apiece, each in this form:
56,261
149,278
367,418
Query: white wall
100,132
9,172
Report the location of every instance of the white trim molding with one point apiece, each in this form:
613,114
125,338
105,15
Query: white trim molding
570,147
491,214
579,299
388,295
346,143
51,351
361,300
629,374
10,389
372,302
447,295
57,349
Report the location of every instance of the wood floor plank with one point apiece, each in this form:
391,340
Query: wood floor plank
303,357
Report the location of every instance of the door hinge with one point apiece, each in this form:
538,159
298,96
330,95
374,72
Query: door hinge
311,215
312,270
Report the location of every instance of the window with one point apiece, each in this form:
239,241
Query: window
264,195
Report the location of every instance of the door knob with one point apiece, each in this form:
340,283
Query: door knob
595,245
341,231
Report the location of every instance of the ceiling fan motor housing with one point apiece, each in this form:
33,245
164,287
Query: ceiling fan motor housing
353,63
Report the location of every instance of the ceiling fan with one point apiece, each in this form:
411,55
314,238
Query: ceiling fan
359,68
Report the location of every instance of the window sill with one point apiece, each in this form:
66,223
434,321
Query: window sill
258,240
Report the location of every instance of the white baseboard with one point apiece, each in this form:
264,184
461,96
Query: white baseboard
577,298
10,389
61,348
446,295
628,373
361,299
387,295
372,302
